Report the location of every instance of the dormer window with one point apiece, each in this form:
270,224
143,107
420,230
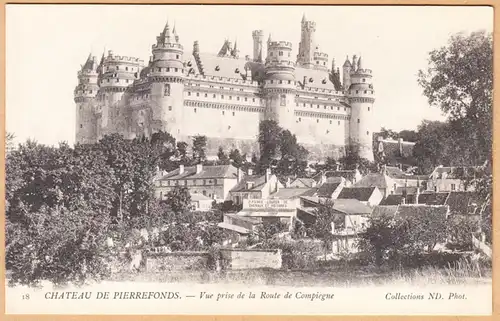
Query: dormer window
250,185
217,68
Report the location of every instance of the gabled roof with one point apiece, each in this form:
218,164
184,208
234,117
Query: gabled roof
292,193
218,171
320,78
346,206
396,172
327,189
259,182
420,210
453,172
464,203
347,174
362,194
384,210
303,182
374,180
433,198
199,197
226,67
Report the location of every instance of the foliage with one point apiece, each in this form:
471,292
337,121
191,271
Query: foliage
178,199
223,159
57,245
269,135
182,149
199,149
300,254
236,158
460,228
268,230
459,80
351,160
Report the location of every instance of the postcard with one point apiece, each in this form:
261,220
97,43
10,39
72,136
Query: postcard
248,159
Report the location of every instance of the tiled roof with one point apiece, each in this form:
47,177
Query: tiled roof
222,66
384,210
374,180
258,183
291,193
463,202
347,174
453,172
406,189
420,210
327,189
303,182
433,198
346,206
362,194
318,77
199,197
218,171
395,172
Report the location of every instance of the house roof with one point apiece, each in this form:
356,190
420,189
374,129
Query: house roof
362,194
454,172
292,193
384,210
244,218
347,174
259,182
303,182
374,180
199,197
218,171
233,227
463,202
421,209
346,206
392,149
327,189
396,172
433,198
400,190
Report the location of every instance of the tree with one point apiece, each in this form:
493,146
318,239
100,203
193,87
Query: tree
459,80
326,219
182,152
236,158
179,199
352,160
199,149
269,136
223,159
164,143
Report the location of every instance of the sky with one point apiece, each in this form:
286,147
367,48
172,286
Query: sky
47,44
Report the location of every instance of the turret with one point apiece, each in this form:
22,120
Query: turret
84,95
279,83
361,97
118,73
306,57
167,88
258,40
346,73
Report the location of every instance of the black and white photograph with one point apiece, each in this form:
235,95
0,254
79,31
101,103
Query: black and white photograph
248,159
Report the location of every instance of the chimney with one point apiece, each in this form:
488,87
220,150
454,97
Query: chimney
288,182
250,172
403,200
268,174
199,168
384,169
181,169
417,194
240,175
337,167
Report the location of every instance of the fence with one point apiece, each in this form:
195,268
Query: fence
482,246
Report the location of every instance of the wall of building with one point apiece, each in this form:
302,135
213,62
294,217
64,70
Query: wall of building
252,259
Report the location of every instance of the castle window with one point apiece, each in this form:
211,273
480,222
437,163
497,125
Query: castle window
246,99
357,91
281,53
126,81
300,119
223,113
230,97
330,122
288,54
170,108
189,93
317,62
304,104
358,120
206,95
271,81
365,91
176,56
222,96
176,69
325,106
159,69
81,126
90,91
214,96
253,99
117,67
238,98
331,107
126,68
281,81
195,110
317,120
289,81
318,106
368,108
339,122
368,133
324,63
233,113
197,94
282,100
117,80
364,80
107,68
271,54
345,109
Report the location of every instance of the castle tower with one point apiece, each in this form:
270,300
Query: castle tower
84,95
307,45
279,84
258,40
361,97
346,73
167,90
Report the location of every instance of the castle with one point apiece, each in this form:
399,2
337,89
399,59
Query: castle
224,96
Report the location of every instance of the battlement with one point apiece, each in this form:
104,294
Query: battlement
277,63
280,44
258,33
225,80
168,45
87,73
121,59
320,55
363,72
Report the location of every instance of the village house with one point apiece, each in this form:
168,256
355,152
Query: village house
351,176
254,187
331,188
370,196
451,179
201,203
214,182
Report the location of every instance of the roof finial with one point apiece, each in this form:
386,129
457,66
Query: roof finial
269,39
303,17
360,66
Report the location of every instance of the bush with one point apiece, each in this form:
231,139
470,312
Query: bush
297,254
